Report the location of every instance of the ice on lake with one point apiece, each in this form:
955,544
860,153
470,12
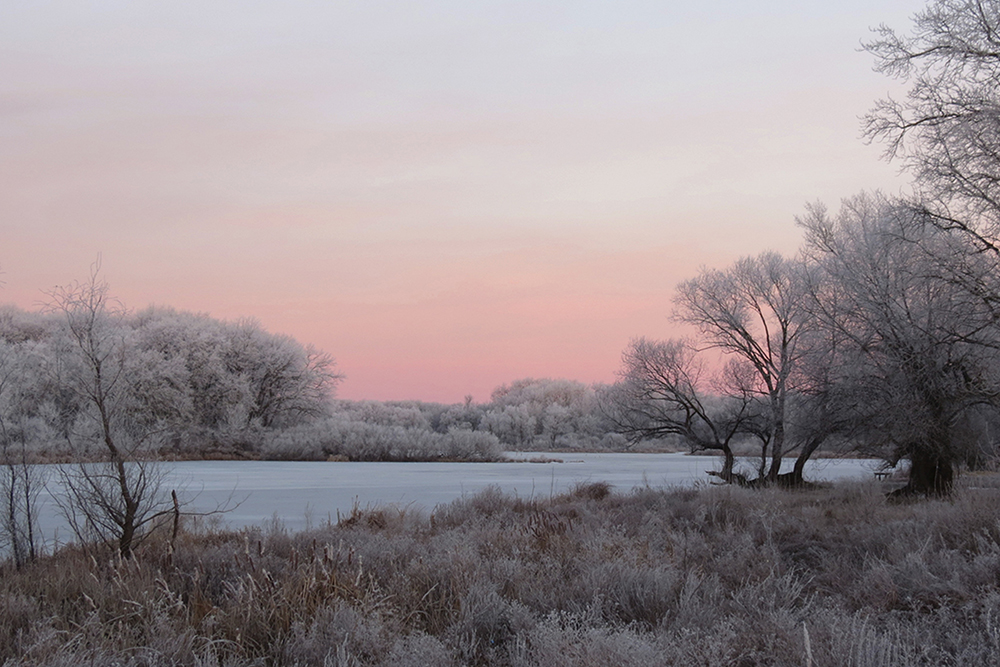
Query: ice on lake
301,494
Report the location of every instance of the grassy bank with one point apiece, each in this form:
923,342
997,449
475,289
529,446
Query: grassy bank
709,576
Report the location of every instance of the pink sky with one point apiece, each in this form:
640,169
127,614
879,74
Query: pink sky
446,196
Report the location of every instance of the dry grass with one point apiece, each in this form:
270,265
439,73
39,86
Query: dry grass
710,576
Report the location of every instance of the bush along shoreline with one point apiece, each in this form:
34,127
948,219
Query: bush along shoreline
708,576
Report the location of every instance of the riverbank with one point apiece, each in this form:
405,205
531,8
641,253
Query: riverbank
711,576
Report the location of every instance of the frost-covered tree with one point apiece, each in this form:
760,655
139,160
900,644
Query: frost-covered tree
24,421
544,413
195,342
753,313
946,132
918,350
240,379
282,381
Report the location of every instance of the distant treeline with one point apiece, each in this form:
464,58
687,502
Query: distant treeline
529,414
192,386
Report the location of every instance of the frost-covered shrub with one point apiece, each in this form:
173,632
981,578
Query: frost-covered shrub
472,445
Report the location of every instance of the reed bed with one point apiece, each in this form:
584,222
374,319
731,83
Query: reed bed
706,576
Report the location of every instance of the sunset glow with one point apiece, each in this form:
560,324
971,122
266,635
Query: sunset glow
444,196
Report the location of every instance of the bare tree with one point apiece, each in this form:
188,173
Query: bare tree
661,393
754,312
947,130
919,351
118,493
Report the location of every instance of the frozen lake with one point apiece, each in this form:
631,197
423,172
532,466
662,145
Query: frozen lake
300,494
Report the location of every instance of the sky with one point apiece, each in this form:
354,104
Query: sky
447,195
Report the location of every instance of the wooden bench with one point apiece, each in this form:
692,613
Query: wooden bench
883,474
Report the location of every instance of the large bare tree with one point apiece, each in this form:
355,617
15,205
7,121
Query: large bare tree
753,312
917,349
946,132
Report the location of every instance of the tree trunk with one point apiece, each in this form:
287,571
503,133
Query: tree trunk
728,463
131,507
128,528
932,473
777,442
727,474
795,478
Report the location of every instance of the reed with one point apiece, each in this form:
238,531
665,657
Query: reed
710,576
